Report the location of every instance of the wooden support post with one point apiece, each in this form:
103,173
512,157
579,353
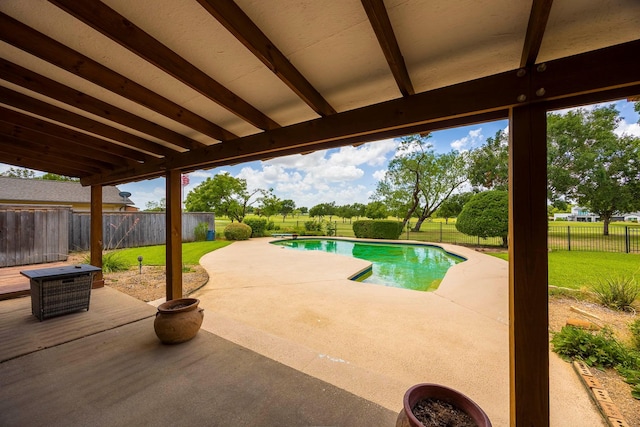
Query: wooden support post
96,234
174,234
528,278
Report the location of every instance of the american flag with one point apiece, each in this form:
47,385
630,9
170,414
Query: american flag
185,180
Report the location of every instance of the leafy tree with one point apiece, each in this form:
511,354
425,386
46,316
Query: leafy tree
591,165
418,180
489,164
358,209
303,210
270,204
54,177
376,210
224,195
323,209
288,207
153,206
19,173
452,207
486,215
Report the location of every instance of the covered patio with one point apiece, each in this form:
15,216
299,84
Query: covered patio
118,91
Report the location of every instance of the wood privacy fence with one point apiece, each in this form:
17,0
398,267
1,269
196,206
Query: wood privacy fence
33,234
132,229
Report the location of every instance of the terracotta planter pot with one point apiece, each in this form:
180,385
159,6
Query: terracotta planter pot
178,320
435,391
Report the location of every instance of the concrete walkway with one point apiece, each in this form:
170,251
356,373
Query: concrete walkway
299,309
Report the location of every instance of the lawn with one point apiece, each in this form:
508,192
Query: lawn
155,255
585,269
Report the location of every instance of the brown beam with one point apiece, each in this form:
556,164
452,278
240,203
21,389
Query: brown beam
538,18
41,108
29,128
528,268
37,151
381,24
40,84
96,234
115,26
240,25
174,234
10,154
29,40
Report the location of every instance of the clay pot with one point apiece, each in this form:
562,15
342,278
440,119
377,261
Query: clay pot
178,320
436,391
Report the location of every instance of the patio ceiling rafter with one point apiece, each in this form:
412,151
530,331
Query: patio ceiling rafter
113,25
231,16
540,10
29,40
381,24
43,85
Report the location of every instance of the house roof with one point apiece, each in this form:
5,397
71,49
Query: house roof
59,192
122,90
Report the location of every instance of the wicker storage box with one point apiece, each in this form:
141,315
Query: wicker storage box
60,290
51,298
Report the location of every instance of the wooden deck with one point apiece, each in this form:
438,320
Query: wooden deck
106,367
13,284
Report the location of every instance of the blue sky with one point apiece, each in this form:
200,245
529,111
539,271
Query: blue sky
344,175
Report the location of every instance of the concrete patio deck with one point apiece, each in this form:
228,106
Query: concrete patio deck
374,341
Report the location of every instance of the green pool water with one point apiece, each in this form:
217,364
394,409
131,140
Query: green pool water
400,265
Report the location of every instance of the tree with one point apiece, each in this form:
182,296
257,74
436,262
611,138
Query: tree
489,164
323,209
418,180
303,210
358,209
288,207
224,195
153,206
55,177
591,165
486,215
270,204
452,207
376,210
19,173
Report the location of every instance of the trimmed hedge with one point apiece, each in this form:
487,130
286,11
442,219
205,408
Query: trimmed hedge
258,226
377,229
237,231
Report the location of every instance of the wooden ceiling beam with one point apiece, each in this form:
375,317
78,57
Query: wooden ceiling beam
45,86
14,156
540,10
35,129
231,16
33,151
107,21
29,40
379,19
41,108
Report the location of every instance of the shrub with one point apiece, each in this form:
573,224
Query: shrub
634,327
486,215
599,349
313,226
377,229
201,231
237,231
111,262
331,229
258,226
617,292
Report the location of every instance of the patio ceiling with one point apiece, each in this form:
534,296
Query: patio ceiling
122,90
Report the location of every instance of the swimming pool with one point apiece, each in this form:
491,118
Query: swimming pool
401,265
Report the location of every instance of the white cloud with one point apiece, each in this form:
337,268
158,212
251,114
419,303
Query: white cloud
630,129
380,174
473,139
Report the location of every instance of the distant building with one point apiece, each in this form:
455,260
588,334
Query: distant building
579,214
45,192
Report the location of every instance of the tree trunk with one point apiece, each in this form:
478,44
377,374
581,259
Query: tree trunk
418,224
606,219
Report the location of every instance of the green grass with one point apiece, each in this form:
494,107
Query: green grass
576,270
155,255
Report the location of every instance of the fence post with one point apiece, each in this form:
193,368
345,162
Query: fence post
440,232
569,237
626,239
